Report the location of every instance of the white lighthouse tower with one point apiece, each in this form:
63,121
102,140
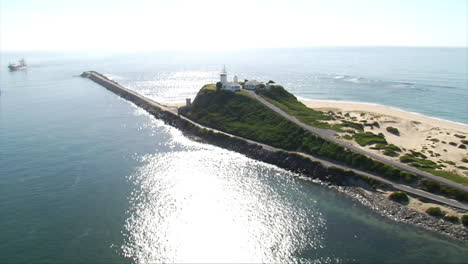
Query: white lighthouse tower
223,76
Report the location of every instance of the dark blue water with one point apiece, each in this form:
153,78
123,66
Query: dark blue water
87,177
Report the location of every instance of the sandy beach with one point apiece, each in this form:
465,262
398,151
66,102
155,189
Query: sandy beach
439,140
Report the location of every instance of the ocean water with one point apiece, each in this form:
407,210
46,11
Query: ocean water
88,177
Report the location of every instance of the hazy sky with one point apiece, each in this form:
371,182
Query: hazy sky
229,24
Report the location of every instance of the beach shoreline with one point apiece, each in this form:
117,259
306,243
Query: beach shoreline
441,141
350,106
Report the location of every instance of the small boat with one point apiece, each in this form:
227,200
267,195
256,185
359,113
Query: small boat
20,66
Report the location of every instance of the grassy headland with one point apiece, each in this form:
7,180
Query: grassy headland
241,115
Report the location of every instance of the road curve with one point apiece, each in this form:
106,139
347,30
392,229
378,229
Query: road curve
329,134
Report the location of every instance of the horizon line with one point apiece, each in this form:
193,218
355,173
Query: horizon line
225,50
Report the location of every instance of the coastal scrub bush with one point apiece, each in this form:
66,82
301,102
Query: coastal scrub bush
418,162
452,218
450,175
449,162
465,160
399,197
435,211
459,136
408,177
434,187
393,130
219,85
430,186
418,154
464,219
354,125
369,138
390,153
464,141
389,150
287,102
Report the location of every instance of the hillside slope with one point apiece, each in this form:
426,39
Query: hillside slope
241,115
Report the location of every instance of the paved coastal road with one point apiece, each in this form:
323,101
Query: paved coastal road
330,135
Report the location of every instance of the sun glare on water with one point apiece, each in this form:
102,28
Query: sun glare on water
205,204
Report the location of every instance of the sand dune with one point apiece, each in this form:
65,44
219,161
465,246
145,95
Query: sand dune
417,132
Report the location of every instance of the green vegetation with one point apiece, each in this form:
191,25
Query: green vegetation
350,124
393,130
241,115
464,141
389,150
435,140
465,160
435,211
278,96
435,187
369,138
390,153
418,160
384,147
449,175
449,162
211,87
453,144
399,197
464,219
452,218
219,85
459,136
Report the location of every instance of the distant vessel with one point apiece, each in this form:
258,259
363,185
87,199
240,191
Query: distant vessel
15,67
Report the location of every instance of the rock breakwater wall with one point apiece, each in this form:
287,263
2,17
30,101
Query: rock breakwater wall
289,161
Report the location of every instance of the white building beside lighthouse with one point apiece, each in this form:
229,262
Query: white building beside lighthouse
233,86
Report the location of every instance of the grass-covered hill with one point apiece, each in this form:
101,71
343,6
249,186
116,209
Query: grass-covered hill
241,115
278,96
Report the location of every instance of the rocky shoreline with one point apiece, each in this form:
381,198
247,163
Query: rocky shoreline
383,206
356,189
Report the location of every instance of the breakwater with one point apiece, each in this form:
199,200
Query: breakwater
286,160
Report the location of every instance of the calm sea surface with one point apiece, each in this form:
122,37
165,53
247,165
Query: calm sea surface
88,177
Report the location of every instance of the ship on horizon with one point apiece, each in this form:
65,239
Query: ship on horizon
20,66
